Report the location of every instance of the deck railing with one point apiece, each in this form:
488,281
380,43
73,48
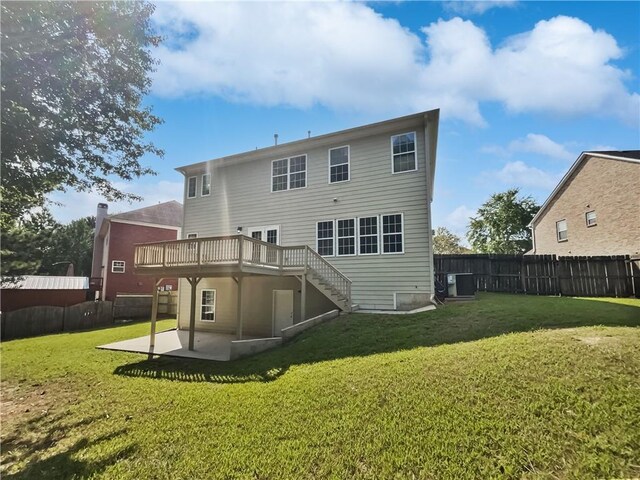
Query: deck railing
243,251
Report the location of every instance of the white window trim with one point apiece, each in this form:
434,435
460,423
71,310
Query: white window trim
336,245
288,159
195,190
202,194
382,252
558,231
113,264
215,300
264,228
377,235
333,238
586,219
415,152
348,147
191,235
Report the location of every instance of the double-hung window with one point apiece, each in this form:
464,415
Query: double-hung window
561,230
346,230
289,173
339,164
324,238
191,187
392,233
206,185
208,305
403,153
591,219
368,235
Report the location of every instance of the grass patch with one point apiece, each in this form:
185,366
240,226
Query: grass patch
509,386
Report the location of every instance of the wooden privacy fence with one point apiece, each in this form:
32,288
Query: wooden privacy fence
601,276
43,320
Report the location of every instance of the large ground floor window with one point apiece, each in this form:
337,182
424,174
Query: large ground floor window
208,305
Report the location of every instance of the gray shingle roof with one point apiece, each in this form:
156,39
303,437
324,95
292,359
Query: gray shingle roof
168,213
633,154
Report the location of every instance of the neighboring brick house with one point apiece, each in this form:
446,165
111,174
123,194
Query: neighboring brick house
594,210
114,245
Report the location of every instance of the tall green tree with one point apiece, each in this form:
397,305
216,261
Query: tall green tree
74,76
72,243
500,225
445,241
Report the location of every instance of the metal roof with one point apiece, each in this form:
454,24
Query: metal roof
35,282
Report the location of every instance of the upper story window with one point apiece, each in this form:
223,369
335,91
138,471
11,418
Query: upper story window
392,233
206,185
403,153
590,218
191,187
117,266
289,173
339,164
561,230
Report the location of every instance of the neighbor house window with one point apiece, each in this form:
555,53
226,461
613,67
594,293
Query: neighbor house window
346,236
339,164
206,184
117,266
208,305
191,187
289,173
561,230
392,234
591,218
368,235
403,152
324,238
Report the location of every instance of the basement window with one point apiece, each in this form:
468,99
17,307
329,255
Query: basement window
208,305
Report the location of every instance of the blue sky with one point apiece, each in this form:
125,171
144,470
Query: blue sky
523,87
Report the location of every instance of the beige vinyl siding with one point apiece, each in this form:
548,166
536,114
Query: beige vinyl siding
257,304
241,196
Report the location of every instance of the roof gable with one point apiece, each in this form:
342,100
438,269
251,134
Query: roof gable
615,155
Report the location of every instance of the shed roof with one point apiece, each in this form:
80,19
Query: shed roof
41,282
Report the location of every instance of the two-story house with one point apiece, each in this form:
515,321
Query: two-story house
594,210
277,235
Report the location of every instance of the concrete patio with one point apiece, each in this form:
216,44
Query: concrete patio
174,343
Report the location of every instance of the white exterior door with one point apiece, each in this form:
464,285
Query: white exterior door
282,310
269,234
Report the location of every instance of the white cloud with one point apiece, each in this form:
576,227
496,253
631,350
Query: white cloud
543,145
459,218
76,205
519,174
465,7
345,56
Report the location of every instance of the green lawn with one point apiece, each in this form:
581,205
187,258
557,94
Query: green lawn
504,387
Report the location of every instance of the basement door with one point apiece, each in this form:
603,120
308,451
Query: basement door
282,310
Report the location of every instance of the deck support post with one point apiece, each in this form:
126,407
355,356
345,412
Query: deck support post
193,281
303,299
154,314
239,307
